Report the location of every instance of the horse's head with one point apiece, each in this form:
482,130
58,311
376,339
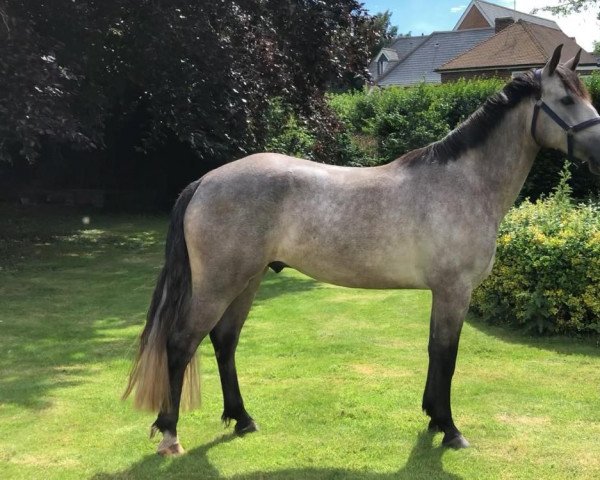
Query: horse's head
563,116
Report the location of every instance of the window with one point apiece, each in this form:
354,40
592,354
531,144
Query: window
381,64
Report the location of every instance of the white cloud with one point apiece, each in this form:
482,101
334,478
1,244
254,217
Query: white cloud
458,9
584,26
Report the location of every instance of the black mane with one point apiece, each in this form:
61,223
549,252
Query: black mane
475,130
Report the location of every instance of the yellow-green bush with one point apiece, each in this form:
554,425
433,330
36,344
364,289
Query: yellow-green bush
547,272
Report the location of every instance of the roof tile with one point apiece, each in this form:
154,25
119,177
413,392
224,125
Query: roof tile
438,48
521,44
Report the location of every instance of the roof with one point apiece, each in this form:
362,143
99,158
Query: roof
492,11
391,55
403,46
522,44
434,50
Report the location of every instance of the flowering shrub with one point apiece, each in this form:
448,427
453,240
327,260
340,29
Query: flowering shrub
547,272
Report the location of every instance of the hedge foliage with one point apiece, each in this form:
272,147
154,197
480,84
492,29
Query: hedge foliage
381,125
402,119
385,124
547,272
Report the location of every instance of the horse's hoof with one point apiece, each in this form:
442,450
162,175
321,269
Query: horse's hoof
243,429
169,446
456,442
172,451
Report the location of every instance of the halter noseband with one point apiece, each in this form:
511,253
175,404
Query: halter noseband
570,130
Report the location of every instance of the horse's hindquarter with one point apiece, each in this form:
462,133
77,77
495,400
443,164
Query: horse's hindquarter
383,227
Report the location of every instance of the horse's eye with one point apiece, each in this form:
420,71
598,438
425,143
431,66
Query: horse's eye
567,100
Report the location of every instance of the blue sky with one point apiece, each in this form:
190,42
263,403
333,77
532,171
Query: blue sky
423,16
426,16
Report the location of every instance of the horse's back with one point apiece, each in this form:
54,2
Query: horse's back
271,168
271,181
327,221
373,227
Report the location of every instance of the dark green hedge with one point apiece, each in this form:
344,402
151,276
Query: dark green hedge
385,124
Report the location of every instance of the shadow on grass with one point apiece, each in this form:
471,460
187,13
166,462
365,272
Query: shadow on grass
424,462
560,344
39,361
68,290
29,232
279,284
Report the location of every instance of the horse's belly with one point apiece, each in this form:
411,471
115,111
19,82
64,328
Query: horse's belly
376,280
367,269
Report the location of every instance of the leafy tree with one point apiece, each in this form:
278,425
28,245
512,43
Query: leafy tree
596,50
565,7
200,74
40,92
382,24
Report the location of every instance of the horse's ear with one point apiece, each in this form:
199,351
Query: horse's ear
572,64
553,62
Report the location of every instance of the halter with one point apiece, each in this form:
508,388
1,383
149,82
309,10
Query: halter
570,130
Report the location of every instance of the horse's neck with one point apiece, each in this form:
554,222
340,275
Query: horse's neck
501,164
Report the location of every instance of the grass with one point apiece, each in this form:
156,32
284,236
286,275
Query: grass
333,376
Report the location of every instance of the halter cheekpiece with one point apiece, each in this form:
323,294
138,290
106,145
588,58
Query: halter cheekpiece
570,130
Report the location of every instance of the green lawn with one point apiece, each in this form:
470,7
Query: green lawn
333,376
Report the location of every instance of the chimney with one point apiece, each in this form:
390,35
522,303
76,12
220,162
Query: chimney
502,23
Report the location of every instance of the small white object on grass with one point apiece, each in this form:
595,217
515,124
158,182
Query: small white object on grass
86,220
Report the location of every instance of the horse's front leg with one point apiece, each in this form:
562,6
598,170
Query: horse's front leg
449,308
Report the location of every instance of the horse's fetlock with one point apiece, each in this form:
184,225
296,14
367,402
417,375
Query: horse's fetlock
163,424
226,419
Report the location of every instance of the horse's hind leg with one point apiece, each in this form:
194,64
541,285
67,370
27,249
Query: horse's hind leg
206,308
447,314
225,338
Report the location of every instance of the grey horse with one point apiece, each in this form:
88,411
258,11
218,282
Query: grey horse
427,220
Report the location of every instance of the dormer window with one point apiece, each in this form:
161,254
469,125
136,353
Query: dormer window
382,64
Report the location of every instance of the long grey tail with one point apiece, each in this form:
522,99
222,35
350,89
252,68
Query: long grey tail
150,373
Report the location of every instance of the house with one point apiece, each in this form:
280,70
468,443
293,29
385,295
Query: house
412,60
518,47
390,56
479,14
